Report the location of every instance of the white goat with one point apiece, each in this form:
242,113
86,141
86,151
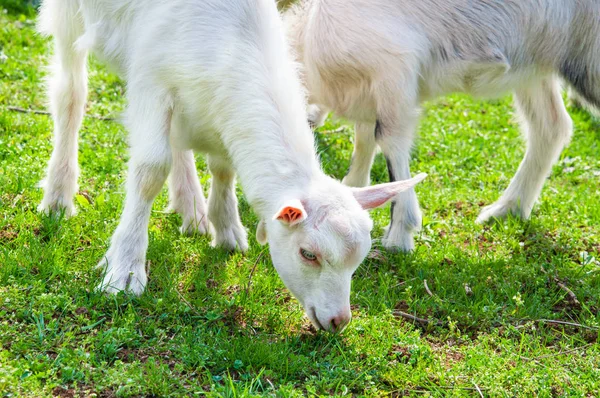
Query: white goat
214,76
375,61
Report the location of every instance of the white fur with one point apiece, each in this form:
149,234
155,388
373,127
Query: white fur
375,61
185,193
216,77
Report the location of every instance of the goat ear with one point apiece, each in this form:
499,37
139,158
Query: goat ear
261,232
377,195
292,213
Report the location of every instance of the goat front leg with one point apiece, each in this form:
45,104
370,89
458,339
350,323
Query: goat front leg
148,121
185,194
67,92
363,155
548,128
397,118
227,229
405,214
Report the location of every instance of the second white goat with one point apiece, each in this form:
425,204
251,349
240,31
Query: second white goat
375,61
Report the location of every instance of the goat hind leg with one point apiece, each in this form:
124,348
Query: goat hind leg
227,229
548,128
185,194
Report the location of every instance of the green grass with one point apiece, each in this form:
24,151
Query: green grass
223,324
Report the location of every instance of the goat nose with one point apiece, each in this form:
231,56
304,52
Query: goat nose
340,321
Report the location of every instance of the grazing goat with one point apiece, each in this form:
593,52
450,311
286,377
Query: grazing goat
375,61
217,77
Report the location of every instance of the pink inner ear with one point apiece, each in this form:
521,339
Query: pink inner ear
372,203
377,195
295,215
290,215
370,198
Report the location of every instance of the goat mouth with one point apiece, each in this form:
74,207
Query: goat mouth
314,319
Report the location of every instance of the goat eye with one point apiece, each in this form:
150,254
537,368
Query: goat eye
308,255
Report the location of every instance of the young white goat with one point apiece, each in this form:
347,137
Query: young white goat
213,76
375,61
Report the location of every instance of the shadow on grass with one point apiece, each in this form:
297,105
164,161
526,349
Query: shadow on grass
511,290
472,292
20,7
472,289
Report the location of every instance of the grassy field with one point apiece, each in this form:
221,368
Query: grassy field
223,324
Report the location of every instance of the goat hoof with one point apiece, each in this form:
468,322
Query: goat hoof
120,276
398,239
197,225
57,207
499,211
231,239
